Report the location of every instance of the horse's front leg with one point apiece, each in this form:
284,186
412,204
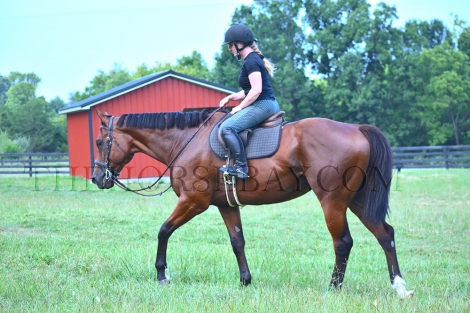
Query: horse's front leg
233,222
184,211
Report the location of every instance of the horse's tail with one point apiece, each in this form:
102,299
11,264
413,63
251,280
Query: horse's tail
378,175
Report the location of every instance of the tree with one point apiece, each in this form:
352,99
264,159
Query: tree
444,75
20,93
30,121
192,65
226,69
4,86
17,77
419,35
56,104
463,41
33,120
144,70
336,28
103,82
405,126
354,52
7,145
370,66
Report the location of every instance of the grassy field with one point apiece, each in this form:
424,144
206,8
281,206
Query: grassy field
67,247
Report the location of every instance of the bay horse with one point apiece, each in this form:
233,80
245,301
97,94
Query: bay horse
346,166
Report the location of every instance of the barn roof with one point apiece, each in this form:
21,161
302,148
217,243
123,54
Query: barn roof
86,104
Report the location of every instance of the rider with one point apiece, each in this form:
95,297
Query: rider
258,99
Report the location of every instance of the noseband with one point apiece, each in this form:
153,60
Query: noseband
110,173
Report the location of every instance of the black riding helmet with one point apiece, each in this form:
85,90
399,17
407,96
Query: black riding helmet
239,33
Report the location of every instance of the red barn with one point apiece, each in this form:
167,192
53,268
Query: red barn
167,91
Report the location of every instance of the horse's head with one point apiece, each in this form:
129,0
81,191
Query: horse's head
114,152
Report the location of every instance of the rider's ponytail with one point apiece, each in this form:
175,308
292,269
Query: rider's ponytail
270,67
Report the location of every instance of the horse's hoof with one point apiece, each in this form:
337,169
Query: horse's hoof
245,282
409,294
164,281
400,287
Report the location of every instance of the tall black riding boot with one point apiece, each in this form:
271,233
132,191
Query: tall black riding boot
235,144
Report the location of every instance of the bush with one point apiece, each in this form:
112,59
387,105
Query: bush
9,146
23,144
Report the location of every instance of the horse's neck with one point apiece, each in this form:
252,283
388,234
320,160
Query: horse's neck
161,145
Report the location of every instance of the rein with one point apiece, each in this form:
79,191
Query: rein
112,174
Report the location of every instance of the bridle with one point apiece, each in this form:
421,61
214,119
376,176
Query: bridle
111,173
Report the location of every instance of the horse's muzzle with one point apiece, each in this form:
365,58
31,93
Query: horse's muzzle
99,179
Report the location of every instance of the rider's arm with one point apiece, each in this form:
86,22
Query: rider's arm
256,87
233,97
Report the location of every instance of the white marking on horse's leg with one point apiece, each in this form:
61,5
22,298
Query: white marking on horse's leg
237,229
393,244
400,287
164,281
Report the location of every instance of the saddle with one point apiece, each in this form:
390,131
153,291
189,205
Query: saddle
260,141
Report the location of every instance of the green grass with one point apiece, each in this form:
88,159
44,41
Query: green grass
67,247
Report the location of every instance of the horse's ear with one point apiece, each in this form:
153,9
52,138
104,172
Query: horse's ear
103,117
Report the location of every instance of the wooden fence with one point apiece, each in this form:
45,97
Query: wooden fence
432,157
404,157
34,163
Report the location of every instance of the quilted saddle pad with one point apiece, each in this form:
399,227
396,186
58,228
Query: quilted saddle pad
262,142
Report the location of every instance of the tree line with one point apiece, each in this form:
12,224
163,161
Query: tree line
29,123
339,60
334,58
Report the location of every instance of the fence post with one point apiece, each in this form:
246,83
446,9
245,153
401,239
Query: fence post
446,150
30,165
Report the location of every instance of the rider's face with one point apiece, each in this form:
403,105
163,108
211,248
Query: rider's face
231,48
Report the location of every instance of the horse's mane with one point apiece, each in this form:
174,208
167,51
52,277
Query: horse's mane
163,120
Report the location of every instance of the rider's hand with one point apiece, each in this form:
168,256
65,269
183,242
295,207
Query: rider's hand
224,101
236,109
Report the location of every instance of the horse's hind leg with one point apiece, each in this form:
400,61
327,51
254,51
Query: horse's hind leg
231,217
335,217
385,235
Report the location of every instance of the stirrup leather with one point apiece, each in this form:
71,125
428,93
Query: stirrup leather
231,184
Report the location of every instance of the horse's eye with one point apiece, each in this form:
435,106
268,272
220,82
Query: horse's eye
99,143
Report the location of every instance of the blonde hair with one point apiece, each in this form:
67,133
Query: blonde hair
270,67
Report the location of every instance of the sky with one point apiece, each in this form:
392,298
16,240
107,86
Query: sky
66,42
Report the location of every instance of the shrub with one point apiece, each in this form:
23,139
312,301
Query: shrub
9,146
